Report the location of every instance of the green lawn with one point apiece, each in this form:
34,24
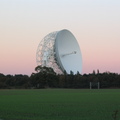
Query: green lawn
59,104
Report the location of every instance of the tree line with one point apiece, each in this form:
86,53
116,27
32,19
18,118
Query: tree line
45,77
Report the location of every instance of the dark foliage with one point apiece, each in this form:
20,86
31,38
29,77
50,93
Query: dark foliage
47,78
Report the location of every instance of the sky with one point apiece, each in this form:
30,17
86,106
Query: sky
94,23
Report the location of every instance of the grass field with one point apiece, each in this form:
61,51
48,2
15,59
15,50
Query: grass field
59,104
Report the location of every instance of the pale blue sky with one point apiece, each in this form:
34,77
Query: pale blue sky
94,23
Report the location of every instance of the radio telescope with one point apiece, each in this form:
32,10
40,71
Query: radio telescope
60,51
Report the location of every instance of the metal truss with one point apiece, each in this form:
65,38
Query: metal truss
45,55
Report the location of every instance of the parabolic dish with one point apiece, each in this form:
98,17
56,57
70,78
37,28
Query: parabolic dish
60,50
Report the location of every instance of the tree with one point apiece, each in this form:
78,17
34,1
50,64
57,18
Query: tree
44,69
45,77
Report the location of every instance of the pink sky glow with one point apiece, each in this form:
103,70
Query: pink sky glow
95,24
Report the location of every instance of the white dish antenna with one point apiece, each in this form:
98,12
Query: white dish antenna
60,51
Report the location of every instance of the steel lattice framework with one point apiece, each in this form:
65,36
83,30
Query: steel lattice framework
45,55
